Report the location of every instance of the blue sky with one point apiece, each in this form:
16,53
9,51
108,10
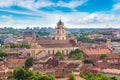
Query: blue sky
46,13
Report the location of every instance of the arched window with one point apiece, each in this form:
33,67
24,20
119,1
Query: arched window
62,51
49,51
67,51
53,52
57,38
63,38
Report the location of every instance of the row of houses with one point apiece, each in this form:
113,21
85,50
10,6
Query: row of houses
111,34
23,38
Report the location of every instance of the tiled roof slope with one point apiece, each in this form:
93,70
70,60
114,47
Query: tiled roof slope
57,43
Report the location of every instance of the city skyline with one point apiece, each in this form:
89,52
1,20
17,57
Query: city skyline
46,13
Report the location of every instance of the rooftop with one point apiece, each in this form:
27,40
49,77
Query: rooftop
95,50
57,43
16,60
111,71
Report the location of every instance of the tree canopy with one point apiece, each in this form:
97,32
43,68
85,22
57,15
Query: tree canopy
72,77
59,55
88,61
95,32
3,54
25,74
76,54
103,56
115,40
98,76
29,62
17,46
85,39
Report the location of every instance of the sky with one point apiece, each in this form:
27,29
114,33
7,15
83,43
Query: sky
46,13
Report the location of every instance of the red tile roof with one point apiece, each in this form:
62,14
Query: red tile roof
16,60
3,67
57,43
95,50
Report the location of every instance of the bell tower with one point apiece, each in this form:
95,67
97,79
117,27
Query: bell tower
60,32
108,43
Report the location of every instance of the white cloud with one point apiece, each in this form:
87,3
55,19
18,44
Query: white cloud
32,5
71,20
89,18
79,19
6,17
99,18
8,20
72,4
43,3
28,4
116,7
6,3
19,12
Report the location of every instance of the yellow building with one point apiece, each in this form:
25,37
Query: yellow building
60,42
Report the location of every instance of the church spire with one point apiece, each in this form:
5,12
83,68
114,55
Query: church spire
60,24
60,18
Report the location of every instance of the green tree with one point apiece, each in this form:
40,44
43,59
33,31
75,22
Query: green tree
72,77
95,32
47,77
6,46
59,55
76,54
17,46
33,77
115,40
98,76
88,61
22,74
114,78
84,39
29,62
25,46
3,54
78,50
103,56
19,74
26,74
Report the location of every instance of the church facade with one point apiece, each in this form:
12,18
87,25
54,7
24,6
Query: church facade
60,42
